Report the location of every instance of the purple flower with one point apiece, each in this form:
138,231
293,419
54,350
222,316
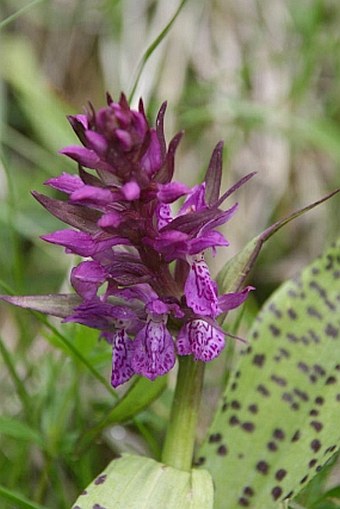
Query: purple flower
143,282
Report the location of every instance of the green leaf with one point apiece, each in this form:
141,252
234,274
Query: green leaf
232,276
135,482
19,430
19,500
60,305
278,423
139,396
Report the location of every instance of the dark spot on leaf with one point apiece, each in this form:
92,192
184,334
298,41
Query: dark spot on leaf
316,425
278,434
292,314
263,390
235,404
276,492
292,337
275,310
200,461
305,340
330,380
319,400
274,330
98,506
284,352
237,374
280,474
292,293
224,407
314,412
262,467
295,406
244,502
259,360
318,468
248,426
315,337
330,449
215,437
330,262
319,370
301,394
296,436
233,386
315,445
314,312
234,421
332,331
272,446
304,479
253,408
286,396
248,490
312,463
100,479
279,380
322,293
222,450
84,492
76,507
338,397
303,367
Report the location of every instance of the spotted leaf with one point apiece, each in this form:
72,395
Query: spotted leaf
133,482
278,422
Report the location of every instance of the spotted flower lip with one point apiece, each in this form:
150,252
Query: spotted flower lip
143,280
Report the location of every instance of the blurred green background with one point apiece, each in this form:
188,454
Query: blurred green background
264,76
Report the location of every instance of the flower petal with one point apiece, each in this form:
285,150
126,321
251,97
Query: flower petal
80,243
122,350
233,300
169,193
203,340
87,277
200,289
65,182
154,350
92,196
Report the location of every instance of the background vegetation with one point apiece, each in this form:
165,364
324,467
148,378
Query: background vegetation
264,76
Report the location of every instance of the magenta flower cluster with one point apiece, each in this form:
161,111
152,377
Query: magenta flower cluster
144,282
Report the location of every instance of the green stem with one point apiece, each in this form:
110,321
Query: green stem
180,439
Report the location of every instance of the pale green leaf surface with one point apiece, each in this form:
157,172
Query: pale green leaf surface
136,482
279,419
